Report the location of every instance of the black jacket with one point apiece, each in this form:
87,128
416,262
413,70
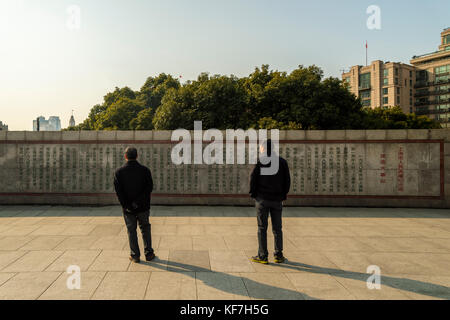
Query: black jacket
275,187
134,184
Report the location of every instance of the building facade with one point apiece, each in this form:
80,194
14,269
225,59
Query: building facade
3,127
52,124
383,84
423,87
432,88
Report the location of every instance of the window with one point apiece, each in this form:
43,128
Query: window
410,83
385,100
410,92
385,81
386,72
366,103
385,91
442,69
447,39
396,81
396,71
410,74
398,100
398,90
365,94
364,80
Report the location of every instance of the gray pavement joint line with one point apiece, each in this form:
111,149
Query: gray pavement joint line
24,253
15,274
246,289
26,242
54,260
148,284
99,283
93,260
49,285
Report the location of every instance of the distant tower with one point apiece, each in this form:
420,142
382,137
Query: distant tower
72,121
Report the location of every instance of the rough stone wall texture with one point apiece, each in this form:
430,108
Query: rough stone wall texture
393,168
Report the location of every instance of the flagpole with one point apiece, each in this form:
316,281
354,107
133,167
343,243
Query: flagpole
366,55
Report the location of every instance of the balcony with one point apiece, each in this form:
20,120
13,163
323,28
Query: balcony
431,93
424,84
426,111
431,102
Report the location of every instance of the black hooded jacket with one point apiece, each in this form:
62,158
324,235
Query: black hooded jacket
134,184
270,187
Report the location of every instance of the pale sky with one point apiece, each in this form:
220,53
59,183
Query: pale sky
48,69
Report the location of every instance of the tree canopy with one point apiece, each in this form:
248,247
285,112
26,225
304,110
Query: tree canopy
265,99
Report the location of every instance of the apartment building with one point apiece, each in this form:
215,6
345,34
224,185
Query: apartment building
432,88
423,87
383,84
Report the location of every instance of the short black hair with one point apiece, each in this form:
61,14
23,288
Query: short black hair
131,153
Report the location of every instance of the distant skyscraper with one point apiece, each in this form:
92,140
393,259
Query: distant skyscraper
52,124
72,121
3,127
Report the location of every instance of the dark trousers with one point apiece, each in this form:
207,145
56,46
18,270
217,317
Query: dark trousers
275,208
131,221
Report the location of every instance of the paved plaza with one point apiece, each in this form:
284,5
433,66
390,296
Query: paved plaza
203,253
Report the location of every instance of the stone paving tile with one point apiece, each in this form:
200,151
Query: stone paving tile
27,286
50,230
220,286
8,257
330,244
172,286
241,242
77,243
188,260
158,264
28,221
110,243
122,286
59,290
17,231
33,261
230,261
420,287
5,277
175,243
43,243
412,263
14,243
111,260
209,243
319,286
350,261
79,230
391,244
106,230
190,230
81,258
220,230
357,286
270,286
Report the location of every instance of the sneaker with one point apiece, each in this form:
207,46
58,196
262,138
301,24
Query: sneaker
135,260
150,257
257,259
280,259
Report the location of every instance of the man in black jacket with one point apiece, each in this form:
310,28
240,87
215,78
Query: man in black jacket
269,192
133,184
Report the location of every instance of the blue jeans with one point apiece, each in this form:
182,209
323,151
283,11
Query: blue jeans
131,221
275,208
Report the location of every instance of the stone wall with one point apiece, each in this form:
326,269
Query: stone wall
395,168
